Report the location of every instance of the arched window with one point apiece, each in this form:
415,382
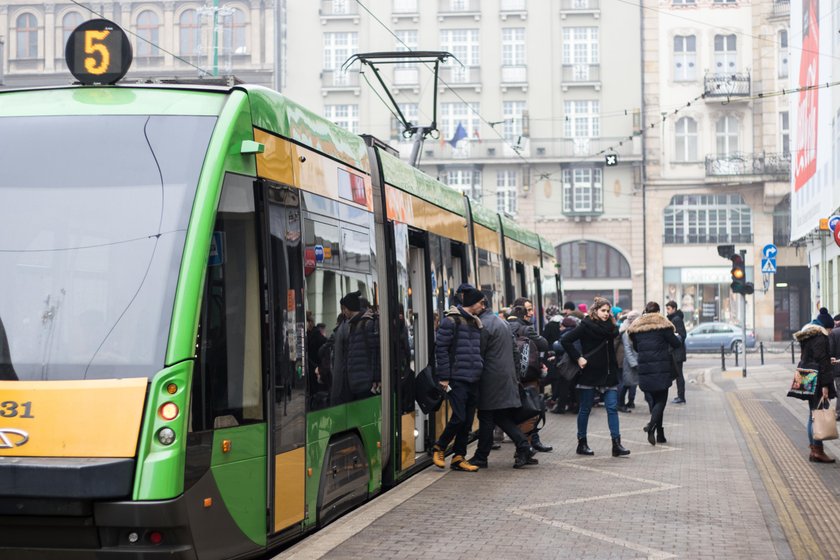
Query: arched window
189,39
27,36
234,36
726,136
685,140
148,28
69,22
591,259
708,219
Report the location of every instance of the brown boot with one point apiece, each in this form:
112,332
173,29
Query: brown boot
818,455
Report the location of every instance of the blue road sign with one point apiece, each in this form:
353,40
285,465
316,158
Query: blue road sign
768,266
319,253
832,222
769,251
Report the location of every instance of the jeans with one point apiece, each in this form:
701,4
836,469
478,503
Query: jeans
656,401
502,419
587,396
462,399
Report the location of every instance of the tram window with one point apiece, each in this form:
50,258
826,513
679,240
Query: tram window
490,276
356,248
227,385
322,245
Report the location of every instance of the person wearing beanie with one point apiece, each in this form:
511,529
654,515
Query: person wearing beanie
824,319
459,364
568,308
551,332
815,356
582,308
355,365
678,320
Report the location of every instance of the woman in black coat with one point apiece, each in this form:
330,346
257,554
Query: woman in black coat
814,345
653,339
599,371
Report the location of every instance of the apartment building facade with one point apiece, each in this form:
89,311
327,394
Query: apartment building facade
717,161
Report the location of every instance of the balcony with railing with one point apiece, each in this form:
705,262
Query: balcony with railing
728,86
581,75
338,80
459,8
749,166
556,149
461,76
568,7
682,238
781,8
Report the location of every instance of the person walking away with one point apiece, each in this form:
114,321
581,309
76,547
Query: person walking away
629,369
599,371
521,325
498,394
459,365
814,348
678,320
653,337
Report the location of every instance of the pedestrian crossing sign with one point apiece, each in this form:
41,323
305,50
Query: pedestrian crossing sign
768,266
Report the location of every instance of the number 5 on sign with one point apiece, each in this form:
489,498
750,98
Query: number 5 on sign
92,47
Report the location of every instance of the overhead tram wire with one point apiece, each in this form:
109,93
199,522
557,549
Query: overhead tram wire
155,45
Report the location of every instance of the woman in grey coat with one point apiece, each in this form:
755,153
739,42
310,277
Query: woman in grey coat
498,393
629,367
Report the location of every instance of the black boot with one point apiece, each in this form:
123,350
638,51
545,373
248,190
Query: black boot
583,447
538,445
618,450
660,435
524,457
650,428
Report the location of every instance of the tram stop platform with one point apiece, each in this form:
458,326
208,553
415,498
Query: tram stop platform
733,481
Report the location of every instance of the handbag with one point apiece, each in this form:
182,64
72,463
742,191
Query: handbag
427,392
533,404
825,422
804,385
569,368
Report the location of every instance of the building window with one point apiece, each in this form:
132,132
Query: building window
453,114
683,2
463,43
724,218
582,191
781,222
338,47
345,116
234,37
506,192
513,46
685,136
685,58
591,259
725,1
726,54
189,33
27,36
726,136
580,50
582,119
512,113
406,42
69,22
784,132
467,181
148,33
783,53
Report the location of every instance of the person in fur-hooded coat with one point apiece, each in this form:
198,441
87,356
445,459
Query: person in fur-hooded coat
653,338
814,348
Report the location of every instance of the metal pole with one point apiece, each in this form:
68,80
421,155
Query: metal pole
722,358
792,356
761,348
736,354
744,332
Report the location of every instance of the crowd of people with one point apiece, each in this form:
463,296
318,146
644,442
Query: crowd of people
485,361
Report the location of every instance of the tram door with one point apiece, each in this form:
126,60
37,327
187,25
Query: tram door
283,261
416,431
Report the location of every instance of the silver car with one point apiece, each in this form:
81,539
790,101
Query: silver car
711,336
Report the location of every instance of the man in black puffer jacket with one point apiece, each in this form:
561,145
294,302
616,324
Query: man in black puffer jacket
459,365
678,320
355,367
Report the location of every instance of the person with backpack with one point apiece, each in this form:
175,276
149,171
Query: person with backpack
598,371
458,369
529,344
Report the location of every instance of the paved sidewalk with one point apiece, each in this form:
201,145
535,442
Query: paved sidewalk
696,497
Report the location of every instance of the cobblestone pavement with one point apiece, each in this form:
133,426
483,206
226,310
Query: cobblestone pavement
733,481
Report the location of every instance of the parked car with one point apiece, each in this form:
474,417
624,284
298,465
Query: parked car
711,336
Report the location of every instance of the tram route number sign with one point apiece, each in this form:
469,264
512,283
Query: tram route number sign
98,52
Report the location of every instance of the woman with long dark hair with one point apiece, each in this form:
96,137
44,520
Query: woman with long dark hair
599,371
653,337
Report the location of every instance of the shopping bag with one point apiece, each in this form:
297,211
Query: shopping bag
427,392
825,422
804,384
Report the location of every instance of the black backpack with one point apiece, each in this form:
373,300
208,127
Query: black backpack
527,357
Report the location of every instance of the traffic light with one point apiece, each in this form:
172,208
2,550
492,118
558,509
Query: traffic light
739,283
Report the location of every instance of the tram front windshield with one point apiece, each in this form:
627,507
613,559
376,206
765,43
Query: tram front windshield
93,218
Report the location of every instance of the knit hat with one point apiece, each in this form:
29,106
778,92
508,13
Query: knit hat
616,310
632,316
582,307
570,305
471,296
551,311
352,301
464,287
825,319
569,322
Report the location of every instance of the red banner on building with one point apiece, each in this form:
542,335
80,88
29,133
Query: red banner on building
805,159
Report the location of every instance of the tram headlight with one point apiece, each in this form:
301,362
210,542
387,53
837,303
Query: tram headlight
166,436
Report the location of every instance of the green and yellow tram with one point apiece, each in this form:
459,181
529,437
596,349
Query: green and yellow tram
172,265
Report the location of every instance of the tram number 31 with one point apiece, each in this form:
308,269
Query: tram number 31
12,409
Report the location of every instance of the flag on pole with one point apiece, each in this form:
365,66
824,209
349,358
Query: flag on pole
460,134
